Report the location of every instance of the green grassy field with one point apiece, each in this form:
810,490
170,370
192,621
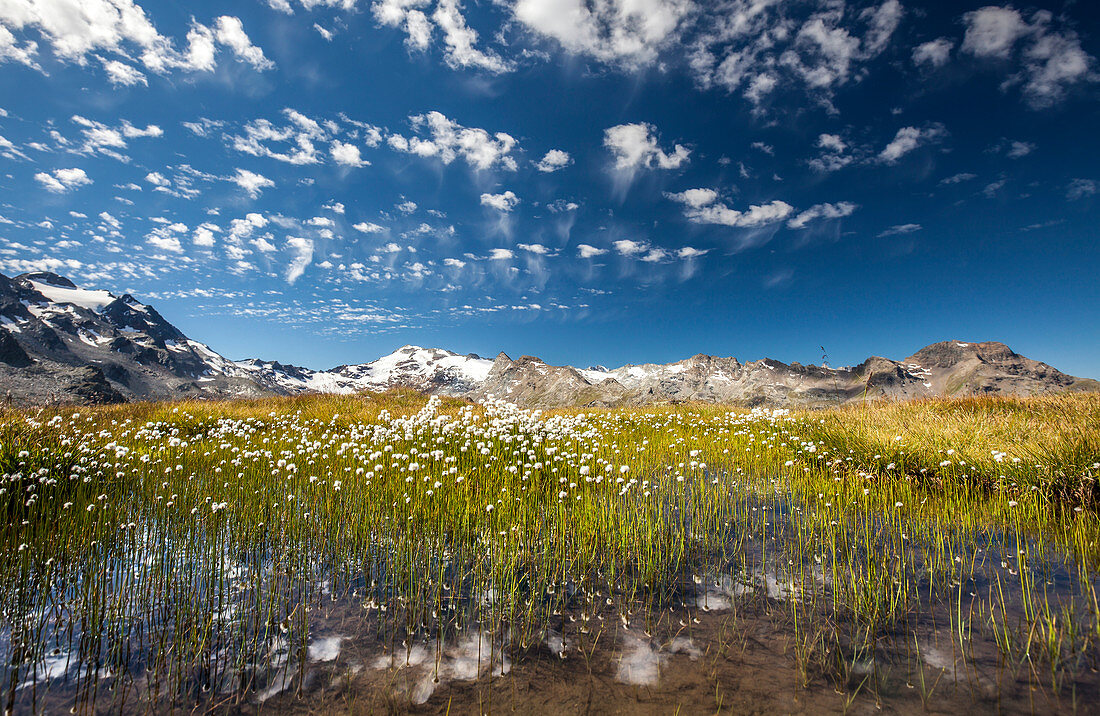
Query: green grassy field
321,551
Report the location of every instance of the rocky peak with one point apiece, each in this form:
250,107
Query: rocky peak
946,353
46,277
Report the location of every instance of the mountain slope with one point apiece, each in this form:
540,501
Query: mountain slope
72,344
62,343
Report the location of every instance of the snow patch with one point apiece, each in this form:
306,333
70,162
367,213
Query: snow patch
85,298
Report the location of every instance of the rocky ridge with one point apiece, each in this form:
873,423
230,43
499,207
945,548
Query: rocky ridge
62,343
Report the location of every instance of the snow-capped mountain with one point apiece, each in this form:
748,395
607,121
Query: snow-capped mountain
427,369
62,343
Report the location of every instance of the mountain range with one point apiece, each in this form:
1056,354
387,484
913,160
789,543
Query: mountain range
60,343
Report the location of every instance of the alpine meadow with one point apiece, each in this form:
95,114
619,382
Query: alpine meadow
600,357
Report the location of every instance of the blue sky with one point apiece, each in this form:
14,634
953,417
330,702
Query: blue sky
602,182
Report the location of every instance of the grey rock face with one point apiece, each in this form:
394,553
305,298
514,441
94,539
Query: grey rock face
92,386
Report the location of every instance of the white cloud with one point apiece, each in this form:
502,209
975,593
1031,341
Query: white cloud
559,206
958,178
630,32
909,138
1080,188
899,229
757,215
251,182
392,12
165,237
263,245
454,263
63,180
11,51
460,40
501,254
831,142
640,250
501,202
626,247
204,235
1051,63
687,252
993,31
120,73
230,32
403,14
1019,149
157,179
75,28
449,140
881,21
554,160
202,127
757,47
103,139
992,188
822,211
695,198
1050,60
293,143
286,6
936,52
302,255
200,56
823,54
243,228
701,206
110,220
534,249
347,154
368,227
634,146
585,251
833,155
151,130
10,151
419,30
165,243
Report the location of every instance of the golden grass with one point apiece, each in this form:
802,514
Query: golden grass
262,502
